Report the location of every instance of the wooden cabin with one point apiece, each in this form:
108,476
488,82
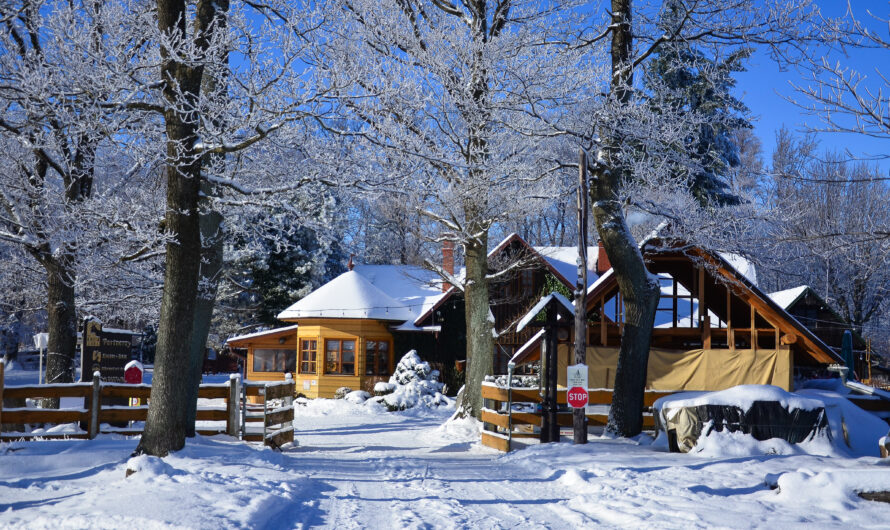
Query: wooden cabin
814,312
714,329
351,331
342,335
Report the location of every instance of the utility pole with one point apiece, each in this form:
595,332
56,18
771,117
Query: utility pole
579,417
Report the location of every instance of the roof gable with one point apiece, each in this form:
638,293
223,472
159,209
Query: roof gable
349,295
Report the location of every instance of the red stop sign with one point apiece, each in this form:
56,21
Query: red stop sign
577,397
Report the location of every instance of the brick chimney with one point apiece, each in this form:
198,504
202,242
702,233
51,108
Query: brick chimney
602,260
447,261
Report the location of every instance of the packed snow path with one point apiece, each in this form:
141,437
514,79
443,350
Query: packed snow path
356,468
405,478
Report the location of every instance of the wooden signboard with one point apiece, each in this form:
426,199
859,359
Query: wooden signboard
106,351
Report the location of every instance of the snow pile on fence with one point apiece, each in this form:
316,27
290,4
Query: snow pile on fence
413,384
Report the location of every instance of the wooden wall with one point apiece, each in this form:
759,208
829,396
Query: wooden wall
321,384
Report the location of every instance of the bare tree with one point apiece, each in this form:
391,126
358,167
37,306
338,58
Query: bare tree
713,26
439,105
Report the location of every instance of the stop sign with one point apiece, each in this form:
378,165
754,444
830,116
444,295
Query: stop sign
577,397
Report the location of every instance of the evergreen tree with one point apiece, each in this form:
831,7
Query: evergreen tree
690,82
270,267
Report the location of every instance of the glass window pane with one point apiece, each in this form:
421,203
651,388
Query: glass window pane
349,345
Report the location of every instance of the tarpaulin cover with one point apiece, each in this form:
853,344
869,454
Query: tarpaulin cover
763,420
691,369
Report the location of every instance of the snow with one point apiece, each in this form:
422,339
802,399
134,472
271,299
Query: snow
540,306
262,333
349,295
565,261
383,292
359,468
742,396
742,265
785,298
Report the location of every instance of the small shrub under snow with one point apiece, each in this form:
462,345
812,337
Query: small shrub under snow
414,384
382,389
341,392
357,396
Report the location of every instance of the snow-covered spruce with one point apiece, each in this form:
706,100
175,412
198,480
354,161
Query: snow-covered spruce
413,384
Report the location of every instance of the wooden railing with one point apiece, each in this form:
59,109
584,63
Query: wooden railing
277,420
98,416
501,425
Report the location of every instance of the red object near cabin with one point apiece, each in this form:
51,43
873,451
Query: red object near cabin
133,373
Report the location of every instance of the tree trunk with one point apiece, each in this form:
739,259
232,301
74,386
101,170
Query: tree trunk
211,221
62,323
165,427
639,289
480,327
211,265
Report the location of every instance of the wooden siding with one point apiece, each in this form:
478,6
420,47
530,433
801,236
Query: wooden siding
320,384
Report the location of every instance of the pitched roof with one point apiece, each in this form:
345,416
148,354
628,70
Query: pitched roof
350,295
565,261
266,333
726,264
554,261
788,297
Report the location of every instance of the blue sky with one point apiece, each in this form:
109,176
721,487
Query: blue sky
765,89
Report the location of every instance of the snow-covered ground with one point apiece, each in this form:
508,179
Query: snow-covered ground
362,467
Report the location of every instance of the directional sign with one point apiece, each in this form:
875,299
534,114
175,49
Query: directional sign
576,381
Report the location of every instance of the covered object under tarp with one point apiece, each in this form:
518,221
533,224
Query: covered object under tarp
697,369
762,411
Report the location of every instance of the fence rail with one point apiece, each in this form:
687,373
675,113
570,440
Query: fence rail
103,411
501,423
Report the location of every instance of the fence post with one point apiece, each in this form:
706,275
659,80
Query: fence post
232,425
95,405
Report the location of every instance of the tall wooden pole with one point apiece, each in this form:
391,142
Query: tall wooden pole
579,418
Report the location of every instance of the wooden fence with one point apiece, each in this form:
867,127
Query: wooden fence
276,412
501,424
97,416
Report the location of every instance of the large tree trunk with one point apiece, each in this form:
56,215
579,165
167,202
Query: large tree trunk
211,265
62,322
166,425
211,221
480,328
639,289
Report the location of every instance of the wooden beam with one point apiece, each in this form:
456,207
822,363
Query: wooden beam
706,332
730,333
702,308
753,328
604,337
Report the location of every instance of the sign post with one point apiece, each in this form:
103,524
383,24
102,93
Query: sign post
579,418
576,382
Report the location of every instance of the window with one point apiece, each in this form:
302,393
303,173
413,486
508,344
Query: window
377,357
339,357
277,360
308,352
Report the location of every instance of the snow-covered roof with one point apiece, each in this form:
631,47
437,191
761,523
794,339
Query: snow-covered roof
570,307
262,333
786,298
742,265
565,261
380,292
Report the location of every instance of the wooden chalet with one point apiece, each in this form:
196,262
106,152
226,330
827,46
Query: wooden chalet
351,331
814,312
714,329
